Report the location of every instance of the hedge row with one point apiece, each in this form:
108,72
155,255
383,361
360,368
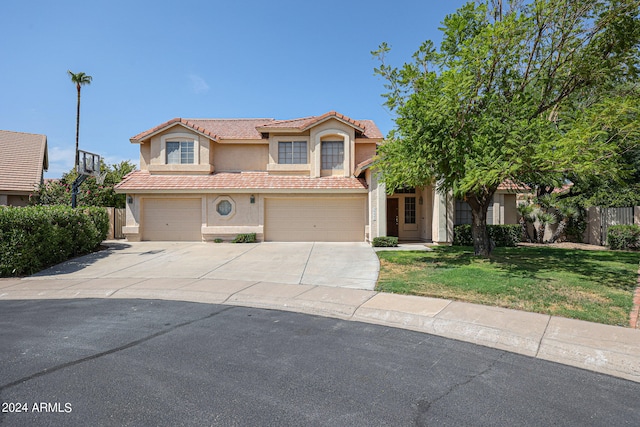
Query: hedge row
624,237
35,237
502,235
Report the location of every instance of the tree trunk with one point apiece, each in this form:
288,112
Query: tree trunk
482,244
77,129
541,229
556,235
525,229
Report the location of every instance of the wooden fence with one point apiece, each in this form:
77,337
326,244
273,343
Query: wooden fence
599,220
117,219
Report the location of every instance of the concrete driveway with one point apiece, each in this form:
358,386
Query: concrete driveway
348,265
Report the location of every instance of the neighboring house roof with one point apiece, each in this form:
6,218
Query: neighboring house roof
23,158
141,181
219,129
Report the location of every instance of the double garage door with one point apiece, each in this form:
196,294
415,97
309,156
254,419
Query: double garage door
314,219
291,219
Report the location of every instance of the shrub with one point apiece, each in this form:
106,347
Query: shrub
218,240
36,237
462,235
245,238
385,242
501,235
624,237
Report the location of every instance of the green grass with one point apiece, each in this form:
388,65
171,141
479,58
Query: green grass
589,285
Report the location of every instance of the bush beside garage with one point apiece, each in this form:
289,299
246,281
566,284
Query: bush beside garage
36,237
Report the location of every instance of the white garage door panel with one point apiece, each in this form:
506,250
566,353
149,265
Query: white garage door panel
172,219
315,220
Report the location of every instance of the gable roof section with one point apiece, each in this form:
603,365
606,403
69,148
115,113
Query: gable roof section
219,129
143,181
23,158
367,127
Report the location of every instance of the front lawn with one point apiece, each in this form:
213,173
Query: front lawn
589,285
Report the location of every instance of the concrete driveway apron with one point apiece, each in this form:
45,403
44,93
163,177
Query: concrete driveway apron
349,265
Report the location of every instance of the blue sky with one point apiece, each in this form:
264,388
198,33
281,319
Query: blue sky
152,61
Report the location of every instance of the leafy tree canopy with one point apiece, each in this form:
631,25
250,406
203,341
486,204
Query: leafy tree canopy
58,192
534,93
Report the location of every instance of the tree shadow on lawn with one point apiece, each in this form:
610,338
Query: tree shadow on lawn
599,266
608,268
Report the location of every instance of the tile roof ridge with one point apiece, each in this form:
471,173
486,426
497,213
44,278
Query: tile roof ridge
230,118
281,121
23,133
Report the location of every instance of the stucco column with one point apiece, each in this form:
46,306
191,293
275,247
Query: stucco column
132,229
442,225
378,212
498,209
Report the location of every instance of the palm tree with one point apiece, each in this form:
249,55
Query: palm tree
544,219
566,213
79,79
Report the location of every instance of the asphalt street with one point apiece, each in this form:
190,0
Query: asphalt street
149,362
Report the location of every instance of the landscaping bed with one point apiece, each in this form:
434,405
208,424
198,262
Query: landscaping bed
592,285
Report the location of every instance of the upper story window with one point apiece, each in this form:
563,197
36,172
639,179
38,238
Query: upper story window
180,152
292,152
332,153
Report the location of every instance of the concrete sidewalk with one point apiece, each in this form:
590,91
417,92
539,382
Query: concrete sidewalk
606,349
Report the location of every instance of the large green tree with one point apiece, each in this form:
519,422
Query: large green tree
79,79
527,92
58,192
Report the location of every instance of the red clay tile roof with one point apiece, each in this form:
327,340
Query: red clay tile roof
23,157
140,181
218,129
367,127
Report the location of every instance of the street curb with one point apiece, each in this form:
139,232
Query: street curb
605,349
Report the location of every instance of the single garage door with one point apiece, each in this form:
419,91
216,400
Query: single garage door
172,219
315,219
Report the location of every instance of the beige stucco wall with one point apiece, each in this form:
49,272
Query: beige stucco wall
245,157
153,153
244,212
14,199
364,152
510,209
145,156
443,215
332,130
425,212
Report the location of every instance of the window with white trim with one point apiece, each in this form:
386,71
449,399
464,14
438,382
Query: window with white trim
409,210
180,152
292,152
332,153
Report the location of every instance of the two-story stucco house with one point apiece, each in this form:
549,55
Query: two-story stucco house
306,179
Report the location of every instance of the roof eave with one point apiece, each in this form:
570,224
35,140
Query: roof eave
243,191
169,125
